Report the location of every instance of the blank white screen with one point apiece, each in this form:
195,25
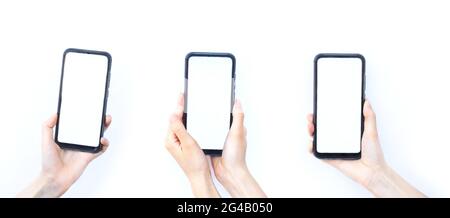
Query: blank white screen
209,100
339,85
82,98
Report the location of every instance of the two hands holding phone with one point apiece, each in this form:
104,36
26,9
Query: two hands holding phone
230,168
202,118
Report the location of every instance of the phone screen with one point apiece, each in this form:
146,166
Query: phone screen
209,99
339,97
82,97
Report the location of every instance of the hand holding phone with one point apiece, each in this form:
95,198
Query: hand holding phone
230,168
188,154
60,167
371,171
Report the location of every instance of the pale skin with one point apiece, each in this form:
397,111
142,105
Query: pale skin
371,171
230,168
60,167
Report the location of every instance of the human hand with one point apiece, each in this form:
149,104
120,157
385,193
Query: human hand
371,170
231,168
60,167
188,154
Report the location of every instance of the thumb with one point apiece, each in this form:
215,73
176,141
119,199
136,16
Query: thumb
47,129
48,144
370,122
238,116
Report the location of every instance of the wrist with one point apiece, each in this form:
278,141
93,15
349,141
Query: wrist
376,176
240,183
203,186
387,183
51,185
44,186
232,177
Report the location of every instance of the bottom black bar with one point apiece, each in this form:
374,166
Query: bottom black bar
273,207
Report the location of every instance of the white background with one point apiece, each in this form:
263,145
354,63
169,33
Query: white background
405,43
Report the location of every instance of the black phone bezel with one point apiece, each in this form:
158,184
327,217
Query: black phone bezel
349,156
84,148
214,152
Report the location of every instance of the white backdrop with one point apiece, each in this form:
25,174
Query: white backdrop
405,43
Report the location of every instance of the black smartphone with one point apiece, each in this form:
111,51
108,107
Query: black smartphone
83,96
209,98
339,86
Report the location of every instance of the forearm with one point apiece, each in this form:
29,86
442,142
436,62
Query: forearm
240,183
42,187
387,183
